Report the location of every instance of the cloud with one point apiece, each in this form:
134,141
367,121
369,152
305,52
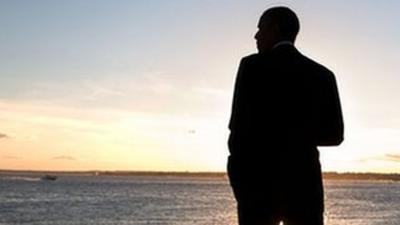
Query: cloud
3,136
392,157
63,157
387,157
11,157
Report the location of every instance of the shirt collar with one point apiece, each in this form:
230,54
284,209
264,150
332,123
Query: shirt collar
282,43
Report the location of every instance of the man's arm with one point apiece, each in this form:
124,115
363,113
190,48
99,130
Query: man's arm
237,107
237,103
331,127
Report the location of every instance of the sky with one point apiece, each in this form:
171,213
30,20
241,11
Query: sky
147,85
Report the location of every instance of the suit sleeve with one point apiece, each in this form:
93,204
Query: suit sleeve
237,108
238,97
331,126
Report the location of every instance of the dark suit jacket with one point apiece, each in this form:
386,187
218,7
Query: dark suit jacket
284,106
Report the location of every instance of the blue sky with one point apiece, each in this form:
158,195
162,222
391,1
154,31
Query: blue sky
100,74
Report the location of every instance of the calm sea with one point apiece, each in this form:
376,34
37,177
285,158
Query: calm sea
168,200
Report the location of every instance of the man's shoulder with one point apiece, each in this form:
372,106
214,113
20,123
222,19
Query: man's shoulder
251,61
317,68
251,58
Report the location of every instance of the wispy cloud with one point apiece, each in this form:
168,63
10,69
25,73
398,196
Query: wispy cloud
3,136
63,157
392,157
11,157
387,157
98,91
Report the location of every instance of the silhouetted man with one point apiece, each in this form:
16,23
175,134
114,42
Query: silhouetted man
284,106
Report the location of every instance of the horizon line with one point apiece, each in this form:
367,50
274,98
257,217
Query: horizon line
170,172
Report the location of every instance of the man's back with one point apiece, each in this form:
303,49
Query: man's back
283,99
285,105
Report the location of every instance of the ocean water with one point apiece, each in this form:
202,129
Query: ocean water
73,200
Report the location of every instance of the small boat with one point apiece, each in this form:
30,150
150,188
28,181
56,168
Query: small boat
48,177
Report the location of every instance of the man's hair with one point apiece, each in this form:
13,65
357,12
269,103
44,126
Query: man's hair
285,19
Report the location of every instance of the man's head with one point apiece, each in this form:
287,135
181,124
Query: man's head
276,24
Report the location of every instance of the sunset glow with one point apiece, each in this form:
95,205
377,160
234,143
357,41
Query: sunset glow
134,85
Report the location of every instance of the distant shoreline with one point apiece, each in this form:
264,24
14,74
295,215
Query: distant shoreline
222,175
